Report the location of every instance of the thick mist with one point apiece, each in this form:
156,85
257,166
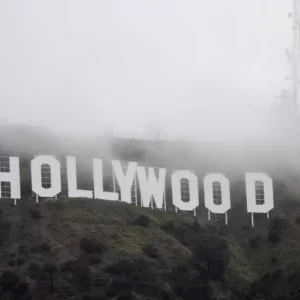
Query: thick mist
200,70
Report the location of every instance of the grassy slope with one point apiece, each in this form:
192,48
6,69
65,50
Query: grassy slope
65,222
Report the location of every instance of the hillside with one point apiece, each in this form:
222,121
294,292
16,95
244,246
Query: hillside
87,249
92,250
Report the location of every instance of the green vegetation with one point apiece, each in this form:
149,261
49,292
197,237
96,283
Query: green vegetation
88,249
91,250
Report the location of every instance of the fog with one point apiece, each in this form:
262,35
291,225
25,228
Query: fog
200,69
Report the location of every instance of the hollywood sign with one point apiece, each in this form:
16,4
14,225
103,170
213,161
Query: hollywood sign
259,186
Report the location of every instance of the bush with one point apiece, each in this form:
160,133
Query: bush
274,236
22,250
93,297
274,260
27,296
21,288
211,251
168,226
100,282
94,260
91,246
276,229
34,267
150,250
4,231
80,271
185,233
12,262
21,261
122,267
40,248
126,296
254,242
50,269
119,285
8,280
34,270
35,214
131,267
67,266
135,274
142,220
297,219
245,227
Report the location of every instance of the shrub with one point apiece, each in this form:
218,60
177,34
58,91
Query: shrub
100,282
213,252
118,285
21,261
91,246
150,250
34,270
185,233
131,267
254,242
277,274
126,296
50,269
245,227
142,220
274,236
40,248
168,226
34,267
80,271
297,219
22,250
134,274
21,288
93,297
94,260
26,296
12,262
122,267
4,231
276,229
274,260
8,280
223,230
67,266
35,214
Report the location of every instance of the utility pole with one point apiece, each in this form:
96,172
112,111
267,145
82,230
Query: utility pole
154,131
285,114
293,56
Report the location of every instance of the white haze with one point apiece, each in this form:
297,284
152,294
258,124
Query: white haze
202,69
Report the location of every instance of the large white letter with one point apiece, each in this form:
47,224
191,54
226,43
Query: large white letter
208,181
72,181
151,186
98,183
193,190
125,181
13,176
265,195
36,176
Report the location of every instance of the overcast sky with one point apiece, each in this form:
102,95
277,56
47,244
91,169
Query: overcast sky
201,68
